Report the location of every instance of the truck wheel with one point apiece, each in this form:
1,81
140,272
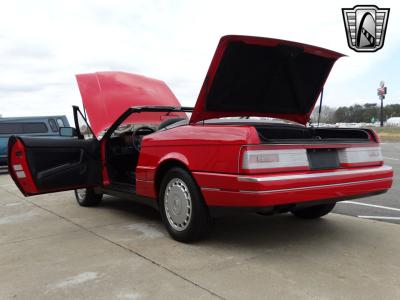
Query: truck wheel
183,211
313,212
87,197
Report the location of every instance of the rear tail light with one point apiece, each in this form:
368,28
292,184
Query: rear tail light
257,160
361,156
278,160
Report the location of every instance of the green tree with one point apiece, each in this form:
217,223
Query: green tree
364,113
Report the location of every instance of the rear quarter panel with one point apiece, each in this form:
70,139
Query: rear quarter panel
207,148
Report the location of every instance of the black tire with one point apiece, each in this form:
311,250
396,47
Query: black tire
198,225
88,197
313,212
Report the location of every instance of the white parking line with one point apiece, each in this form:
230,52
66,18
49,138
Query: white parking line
379,217
371,205
392,158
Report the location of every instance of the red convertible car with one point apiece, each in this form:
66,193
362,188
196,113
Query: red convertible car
141,144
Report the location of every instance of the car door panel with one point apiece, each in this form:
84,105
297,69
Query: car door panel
54,164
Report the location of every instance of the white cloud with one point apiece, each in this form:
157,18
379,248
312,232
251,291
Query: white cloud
43,44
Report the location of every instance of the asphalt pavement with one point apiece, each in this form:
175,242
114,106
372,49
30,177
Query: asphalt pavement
385,207
51,248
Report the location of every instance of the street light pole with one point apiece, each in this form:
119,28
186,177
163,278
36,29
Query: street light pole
382,91
381,97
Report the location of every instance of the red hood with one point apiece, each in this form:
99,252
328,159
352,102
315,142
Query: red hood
252,76
106,95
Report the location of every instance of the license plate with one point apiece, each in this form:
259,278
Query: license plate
321,159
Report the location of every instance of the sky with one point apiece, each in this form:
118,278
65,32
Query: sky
43,44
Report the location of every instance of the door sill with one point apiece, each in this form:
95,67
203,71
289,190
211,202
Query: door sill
122,187
127,191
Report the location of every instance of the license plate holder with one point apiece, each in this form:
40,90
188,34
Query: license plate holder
322,159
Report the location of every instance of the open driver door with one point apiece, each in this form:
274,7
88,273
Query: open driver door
41,165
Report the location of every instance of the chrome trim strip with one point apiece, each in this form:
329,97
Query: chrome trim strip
315,186
313,175
141,180
209,189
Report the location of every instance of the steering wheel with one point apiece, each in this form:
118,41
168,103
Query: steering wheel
138,136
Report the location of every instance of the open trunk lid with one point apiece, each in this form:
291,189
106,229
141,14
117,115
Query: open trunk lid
252,76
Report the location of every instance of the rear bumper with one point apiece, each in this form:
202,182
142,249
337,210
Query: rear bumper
292,188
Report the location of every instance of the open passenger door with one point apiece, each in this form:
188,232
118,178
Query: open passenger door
41,165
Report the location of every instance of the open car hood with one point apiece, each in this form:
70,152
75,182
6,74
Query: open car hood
106,95
252,76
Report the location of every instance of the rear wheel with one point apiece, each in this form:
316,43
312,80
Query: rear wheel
87,197
184,213
313,212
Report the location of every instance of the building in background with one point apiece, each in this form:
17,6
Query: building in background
394,121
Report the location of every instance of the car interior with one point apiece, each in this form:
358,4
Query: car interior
123,150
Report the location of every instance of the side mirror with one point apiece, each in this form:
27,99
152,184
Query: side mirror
68,132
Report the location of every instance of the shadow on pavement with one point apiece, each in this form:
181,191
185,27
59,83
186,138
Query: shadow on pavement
249,229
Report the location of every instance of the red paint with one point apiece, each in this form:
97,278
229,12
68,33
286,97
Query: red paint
17,156
362,164
104,171
374,136
106,95
230,182
229,198
146,188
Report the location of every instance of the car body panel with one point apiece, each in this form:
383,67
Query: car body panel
213,148
228,198
203,135
253,76
106,95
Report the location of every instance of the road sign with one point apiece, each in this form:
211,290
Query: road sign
382,91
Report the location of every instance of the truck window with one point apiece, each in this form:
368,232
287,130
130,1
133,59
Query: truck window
60,123
10,128
53,125
21,128
34,127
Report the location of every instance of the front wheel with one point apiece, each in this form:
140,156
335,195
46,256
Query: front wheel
88,197
313,212
183,211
